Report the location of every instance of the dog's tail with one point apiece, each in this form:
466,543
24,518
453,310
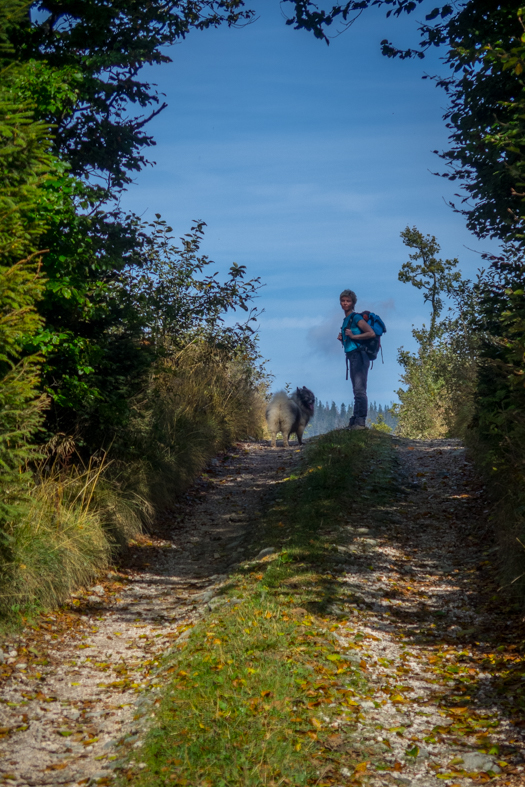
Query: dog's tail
277,408
280,396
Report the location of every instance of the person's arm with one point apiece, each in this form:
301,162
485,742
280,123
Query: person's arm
367,332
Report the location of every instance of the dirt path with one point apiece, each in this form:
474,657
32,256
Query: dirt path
446,702
72,687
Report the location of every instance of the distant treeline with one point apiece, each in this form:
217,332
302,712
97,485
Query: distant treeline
328,417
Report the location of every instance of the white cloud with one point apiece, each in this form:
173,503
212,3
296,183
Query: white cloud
322,338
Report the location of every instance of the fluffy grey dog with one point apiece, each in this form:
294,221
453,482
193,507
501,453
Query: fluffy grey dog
289,414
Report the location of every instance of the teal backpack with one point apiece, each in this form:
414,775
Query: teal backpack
370,346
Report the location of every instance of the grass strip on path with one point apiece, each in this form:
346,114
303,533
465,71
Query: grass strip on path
262,692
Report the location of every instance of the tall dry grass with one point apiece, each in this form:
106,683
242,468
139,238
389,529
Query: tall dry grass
77,517
57,545
197,403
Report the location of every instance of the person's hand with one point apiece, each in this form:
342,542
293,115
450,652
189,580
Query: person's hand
340,337
348,332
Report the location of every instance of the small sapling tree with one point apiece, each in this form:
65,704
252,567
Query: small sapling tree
439,377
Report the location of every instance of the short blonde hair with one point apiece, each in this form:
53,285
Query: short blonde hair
349,294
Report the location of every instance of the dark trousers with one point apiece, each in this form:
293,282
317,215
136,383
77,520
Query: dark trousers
359,363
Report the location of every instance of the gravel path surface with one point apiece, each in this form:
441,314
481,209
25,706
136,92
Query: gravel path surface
72,686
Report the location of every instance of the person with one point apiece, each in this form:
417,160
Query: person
354,331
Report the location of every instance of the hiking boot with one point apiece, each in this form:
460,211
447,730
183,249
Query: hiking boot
354,427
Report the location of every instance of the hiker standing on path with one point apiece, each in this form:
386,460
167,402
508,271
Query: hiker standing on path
355,330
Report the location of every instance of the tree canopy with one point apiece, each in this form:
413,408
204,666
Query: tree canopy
86,62
85,78
483,52
114,284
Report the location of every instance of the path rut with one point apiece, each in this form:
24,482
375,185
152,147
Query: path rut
439,655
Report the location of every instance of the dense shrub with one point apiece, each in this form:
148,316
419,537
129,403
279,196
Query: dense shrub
25,167
76,517
497,436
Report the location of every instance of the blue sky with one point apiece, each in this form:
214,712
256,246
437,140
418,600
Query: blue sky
306,162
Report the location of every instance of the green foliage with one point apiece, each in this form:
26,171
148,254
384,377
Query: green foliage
24,166
421,409
243,686
76,68
130,344
500,403
440,381
108,318
440,377
497,439
380,425
92,332
20,403
76,516
96,101
484,50
196,403
174,298
487,102
59,544
425,272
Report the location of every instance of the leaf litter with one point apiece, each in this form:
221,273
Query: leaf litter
443,652
417,614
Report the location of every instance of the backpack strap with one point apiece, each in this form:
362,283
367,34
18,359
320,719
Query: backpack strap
353,321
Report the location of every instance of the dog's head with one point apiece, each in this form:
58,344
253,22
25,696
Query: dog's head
306,397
